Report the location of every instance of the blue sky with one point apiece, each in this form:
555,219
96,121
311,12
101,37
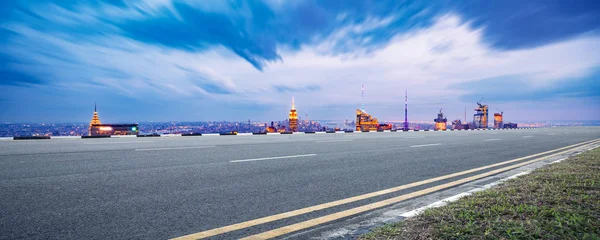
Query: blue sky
165,60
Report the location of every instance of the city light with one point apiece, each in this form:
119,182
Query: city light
105,128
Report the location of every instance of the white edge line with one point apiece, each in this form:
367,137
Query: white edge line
445,201
467,193
100,143
270,158
171,148
494,139
426,145
327,141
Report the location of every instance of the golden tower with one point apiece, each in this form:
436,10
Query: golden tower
95,120
293,118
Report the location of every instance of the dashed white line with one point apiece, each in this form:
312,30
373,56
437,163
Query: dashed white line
527,136
171,148
270,158
493,139
426,145
327,141
96,143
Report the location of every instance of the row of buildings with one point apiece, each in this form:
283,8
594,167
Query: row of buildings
367,122
364,122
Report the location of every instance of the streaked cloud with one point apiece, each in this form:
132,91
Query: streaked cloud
219,54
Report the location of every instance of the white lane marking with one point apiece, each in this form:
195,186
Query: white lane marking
327,141
270,158
171,148
95,143
527,136
460,195
413,137
426,145
493,139
550,134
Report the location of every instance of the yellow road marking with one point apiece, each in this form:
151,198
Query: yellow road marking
332,217
258,221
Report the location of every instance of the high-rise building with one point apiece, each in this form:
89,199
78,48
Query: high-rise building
480,118
293,119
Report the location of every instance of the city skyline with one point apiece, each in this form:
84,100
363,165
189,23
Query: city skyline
146,61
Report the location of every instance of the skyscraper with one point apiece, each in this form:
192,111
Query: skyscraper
293,119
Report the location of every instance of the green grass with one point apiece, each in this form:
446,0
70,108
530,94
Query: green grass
559,201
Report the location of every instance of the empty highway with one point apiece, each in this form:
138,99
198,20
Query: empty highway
168,187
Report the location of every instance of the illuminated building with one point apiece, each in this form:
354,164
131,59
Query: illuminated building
498,120
281,129
365,122
480,118
98,129
293,119
95,119
440,121
270,129
114,129
384,126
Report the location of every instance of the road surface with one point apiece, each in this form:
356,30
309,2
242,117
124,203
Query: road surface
168,187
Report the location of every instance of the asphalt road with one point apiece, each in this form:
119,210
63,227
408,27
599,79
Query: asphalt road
158,188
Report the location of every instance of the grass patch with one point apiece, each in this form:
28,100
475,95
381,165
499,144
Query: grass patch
559,201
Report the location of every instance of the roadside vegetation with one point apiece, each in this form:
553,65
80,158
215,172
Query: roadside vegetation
559,201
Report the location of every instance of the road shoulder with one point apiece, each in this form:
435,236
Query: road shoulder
558,201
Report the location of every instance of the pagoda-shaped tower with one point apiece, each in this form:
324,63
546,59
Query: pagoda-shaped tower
95,120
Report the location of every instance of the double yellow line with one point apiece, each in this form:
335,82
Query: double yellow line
335,216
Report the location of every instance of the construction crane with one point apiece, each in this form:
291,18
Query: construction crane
501,112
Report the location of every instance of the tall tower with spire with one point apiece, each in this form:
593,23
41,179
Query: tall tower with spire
293,118
362,97
95,120
405,109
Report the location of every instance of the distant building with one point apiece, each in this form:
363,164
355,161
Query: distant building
457,125
365,122
114,129
498,120
293,118
270,129
510,125
384,126
98,129
440,122
480,118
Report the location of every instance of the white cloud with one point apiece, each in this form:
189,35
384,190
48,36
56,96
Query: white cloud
426,61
